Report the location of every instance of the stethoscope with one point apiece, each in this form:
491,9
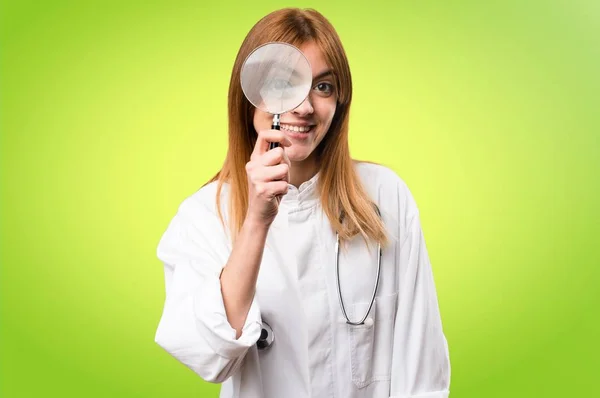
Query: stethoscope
267,337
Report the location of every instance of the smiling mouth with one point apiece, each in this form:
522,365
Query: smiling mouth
296,129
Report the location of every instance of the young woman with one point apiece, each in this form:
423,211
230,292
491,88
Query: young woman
256,296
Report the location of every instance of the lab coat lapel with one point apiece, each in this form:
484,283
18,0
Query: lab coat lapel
279,268
279,299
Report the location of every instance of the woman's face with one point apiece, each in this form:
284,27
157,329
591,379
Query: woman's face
306,125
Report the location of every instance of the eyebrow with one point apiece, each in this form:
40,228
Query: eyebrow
323,74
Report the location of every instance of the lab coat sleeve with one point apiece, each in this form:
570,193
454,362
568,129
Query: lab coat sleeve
420,362
193,327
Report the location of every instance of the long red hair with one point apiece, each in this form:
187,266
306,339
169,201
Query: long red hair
339,186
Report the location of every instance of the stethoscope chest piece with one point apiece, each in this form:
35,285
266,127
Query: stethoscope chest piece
266,337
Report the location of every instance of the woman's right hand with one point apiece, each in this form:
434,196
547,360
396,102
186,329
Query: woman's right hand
268,174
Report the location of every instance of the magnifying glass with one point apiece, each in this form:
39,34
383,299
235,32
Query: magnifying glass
276,78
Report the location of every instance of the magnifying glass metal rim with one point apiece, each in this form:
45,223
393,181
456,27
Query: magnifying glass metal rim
242,76
276,116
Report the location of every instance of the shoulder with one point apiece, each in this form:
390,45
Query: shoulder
374,173
204,200
387,189
195,226
380,178
196,214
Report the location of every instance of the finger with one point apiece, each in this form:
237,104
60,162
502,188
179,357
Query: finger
286,142
286,159
272,173
283,140
273,157
276,188
267,136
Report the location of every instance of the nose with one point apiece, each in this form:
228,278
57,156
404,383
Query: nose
305,108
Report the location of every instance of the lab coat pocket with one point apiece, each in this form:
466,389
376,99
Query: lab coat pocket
371,343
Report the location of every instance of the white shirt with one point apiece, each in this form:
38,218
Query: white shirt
399,352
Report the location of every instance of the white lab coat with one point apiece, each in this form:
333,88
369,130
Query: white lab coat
399,352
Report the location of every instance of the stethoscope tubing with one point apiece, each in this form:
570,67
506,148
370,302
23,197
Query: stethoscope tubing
267,337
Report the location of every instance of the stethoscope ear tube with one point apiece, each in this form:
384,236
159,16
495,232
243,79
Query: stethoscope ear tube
337,276
339,289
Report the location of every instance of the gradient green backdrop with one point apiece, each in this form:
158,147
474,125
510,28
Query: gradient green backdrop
113,112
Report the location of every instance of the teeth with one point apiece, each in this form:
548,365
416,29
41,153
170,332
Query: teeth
295,128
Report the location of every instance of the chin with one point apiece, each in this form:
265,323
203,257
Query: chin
297,156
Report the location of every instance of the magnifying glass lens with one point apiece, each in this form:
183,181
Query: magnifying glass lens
276,78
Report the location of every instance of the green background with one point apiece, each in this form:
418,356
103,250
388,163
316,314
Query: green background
113,112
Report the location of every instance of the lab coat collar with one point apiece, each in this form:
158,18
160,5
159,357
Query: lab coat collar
306,195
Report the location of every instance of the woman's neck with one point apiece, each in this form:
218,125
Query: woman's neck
303,171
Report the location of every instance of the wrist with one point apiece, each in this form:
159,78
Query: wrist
255,224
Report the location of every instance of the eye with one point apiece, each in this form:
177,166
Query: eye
279,84
325,89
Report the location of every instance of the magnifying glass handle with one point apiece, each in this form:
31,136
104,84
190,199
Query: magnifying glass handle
275,126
